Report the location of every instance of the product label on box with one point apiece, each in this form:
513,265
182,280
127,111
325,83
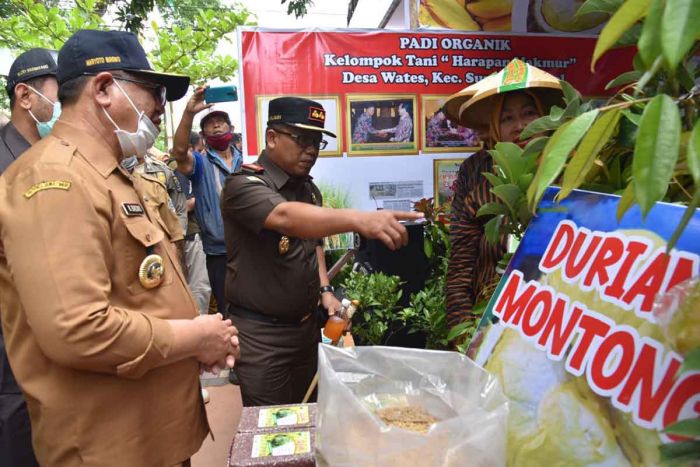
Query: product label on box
281,444
283,416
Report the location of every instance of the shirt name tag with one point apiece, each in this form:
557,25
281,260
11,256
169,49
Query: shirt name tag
132,209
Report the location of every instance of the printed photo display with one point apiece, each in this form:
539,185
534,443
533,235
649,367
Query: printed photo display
381,124
441,135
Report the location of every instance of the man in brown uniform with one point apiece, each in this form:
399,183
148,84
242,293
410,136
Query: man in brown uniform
273,225
97,317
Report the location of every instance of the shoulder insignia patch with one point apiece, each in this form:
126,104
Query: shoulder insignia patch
253,167
47,185
255,179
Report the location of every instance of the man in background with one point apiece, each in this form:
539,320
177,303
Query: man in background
33,89
207,171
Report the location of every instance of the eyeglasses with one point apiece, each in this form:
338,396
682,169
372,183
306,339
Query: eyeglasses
304,141
159,91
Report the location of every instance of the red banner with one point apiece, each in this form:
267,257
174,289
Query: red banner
338,65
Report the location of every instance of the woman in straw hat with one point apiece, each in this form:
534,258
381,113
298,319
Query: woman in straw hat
499,108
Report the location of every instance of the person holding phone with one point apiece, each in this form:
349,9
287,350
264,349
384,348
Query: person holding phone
207,170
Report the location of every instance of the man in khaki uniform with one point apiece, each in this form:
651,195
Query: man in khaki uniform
273,224
101,331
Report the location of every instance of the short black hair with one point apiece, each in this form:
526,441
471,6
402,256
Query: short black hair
37,83
69,91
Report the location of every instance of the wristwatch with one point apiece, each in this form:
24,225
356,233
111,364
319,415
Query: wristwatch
326,288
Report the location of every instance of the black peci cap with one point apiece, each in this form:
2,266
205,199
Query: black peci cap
31,64
89,51
298,112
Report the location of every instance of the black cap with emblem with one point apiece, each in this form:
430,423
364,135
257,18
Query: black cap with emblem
88,52
298,112
31,64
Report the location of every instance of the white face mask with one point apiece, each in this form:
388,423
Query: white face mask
140,141
44,128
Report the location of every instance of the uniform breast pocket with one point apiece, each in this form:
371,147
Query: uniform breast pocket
142,239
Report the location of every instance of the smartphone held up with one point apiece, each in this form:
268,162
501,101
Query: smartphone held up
227,93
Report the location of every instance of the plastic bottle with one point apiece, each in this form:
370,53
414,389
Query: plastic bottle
336,324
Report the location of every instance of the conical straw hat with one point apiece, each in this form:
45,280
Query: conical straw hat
472,106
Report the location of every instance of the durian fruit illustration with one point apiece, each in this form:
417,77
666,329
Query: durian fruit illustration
449,14
492,15
560,16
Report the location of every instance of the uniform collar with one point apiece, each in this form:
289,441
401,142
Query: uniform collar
279,177
94,149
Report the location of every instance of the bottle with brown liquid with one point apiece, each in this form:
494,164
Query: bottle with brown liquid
337,323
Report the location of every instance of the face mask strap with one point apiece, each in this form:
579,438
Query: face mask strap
138,112
46,98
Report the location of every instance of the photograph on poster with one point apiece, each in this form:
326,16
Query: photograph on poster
444,175
331,104
441,135
381,124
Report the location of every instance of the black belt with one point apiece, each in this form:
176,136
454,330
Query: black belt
255,316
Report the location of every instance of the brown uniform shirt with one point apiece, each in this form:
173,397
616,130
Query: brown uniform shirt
260,277
83,336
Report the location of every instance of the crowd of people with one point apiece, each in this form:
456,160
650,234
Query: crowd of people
125,272
103,298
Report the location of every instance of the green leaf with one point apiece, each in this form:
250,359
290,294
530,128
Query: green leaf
623,19
693,154
534,148
490,209
656,151
458,330
690,428
588,150
687,215
599,6
624,78
632,117
630,37
649,44
493,179
540,125
509,194
556,152
570,93
492,229
680,27
681,451
626,201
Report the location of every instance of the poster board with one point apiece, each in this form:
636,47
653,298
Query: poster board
571,335
346,70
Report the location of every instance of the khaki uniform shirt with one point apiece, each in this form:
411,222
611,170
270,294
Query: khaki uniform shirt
154,184
84,337
262,277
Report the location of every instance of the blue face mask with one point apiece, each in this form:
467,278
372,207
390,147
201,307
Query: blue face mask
44,128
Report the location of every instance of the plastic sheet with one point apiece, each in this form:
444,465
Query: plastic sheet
353,383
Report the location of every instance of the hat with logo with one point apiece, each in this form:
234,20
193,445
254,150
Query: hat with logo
472,106
214,113
88,52
31,64
298,112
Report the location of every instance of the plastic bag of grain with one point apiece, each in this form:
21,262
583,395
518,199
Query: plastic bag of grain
390,406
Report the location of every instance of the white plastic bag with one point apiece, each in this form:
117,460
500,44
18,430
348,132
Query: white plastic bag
467,401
